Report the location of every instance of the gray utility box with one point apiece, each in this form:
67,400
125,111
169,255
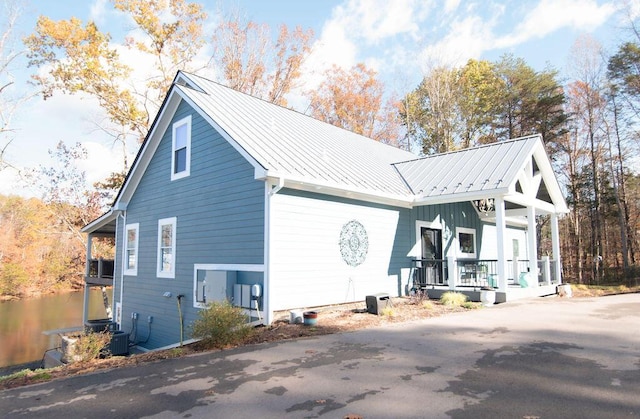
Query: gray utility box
377,302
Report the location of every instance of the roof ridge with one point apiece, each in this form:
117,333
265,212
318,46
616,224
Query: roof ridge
481,146
277,105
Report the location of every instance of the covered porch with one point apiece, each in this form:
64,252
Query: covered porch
470,276
511,188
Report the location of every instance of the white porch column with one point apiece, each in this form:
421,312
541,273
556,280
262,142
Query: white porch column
501,227
452,270
533,247
555,247
546,270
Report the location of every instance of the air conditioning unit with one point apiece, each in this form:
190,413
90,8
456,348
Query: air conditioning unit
119,344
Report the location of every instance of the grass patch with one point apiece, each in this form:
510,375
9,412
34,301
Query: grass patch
469,305
32,376
428,305
388,312
455,299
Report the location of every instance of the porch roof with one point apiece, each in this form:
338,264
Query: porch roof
517,170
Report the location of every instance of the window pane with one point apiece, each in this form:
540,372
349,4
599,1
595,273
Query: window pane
467,244
181,136
131,259
166,235
131,238
167,260
180,160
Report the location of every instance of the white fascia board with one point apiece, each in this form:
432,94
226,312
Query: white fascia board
340,191
100,222
459,197
525,201
513,221
550,180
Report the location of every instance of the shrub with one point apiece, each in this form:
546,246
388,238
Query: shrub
418,297
88,346
427,305
469,305
220,325
451,298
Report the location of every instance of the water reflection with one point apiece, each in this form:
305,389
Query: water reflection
22,323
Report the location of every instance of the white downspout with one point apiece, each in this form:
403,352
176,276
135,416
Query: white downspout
270,191
122,214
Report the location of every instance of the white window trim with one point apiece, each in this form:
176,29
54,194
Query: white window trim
219,267
471,231
184,121
173,221
125,262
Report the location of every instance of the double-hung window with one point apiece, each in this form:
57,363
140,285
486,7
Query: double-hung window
166,248
131,249
181,149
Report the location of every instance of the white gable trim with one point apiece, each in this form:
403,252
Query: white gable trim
148,149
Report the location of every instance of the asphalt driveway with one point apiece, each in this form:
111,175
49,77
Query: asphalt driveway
541,358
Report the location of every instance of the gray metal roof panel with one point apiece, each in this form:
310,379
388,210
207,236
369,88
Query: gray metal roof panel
293,144
480,169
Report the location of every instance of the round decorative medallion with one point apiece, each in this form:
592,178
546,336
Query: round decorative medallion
354,243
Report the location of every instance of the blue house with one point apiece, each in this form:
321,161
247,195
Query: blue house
232,197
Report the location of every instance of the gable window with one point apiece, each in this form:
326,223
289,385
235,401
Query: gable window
466,242
166,248
131,249
181,149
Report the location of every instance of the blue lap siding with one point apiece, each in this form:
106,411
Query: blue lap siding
220,219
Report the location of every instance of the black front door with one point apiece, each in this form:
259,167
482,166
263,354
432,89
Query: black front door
432,255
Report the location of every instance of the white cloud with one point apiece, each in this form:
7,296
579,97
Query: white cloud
467,38
451,6
552,15
101,161
99,11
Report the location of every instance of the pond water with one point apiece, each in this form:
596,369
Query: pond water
22,323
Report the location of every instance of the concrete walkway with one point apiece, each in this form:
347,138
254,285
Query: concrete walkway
542,358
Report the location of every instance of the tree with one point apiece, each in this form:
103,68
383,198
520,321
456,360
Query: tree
174,37
79,58
10,100
353,100
435,113
247,61
484,102
589,104
481,89
532,102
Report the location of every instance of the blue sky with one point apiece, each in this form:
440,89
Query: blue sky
401,39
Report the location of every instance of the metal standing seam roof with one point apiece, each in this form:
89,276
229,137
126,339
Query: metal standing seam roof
485,169
290,144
